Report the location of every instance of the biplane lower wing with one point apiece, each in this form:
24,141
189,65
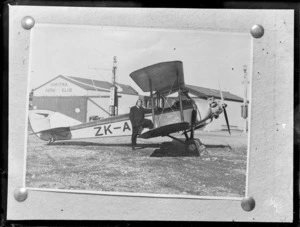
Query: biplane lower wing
165,130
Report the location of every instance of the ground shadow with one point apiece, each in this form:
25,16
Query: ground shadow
84,143
165,149
173,149
217,146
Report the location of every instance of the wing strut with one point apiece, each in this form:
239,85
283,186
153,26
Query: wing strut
180,102
152,102
180,99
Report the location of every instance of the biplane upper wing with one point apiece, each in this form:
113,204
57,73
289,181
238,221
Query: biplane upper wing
162,77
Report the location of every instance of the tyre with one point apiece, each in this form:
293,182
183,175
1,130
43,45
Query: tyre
52,139
191,146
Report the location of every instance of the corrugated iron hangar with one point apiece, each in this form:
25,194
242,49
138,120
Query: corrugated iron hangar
86,100
81,99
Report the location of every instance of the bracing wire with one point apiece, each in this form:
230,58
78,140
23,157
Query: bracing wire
94,85
160,116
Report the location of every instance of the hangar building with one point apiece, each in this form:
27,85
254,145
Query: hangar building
80,98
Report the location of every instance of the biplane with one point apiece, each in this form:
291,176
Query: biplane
161,80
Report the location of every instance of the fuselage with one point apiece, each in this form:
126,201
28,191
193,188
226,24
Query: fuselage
119,125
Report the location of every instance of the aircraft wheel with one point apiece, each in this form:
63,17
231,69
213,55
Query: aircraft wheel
191,146
51,139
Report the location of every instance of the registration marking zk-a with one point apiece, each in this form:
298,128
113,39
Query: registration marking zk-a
106,130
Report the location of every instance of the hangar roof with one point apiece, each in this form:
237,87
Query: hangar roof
125,89
202,92
89,84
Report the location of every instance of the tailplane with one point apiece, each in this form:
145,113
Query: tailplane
46,122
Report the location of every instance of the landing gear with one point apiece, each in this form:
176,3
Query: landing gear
191,143
52,139
191,146
194,145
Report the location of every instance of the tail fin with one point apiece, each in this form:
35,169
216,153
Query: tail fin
41,120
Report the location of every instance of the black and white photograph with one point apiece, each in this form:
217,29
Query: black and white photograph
138,110
150,114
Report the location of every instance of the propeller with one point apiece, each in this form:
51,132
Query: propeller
224,105
226,118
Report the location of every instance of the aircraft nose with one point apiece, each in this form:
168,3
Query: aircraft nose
213,105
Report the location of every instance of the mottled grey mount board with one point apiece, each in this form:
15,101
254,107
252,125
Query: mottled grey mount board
270,161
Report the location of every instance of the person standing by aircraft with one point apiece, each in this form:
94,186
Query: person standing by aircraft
138,121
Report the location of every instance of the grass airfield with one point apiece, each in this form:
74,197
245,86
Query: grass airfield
158,166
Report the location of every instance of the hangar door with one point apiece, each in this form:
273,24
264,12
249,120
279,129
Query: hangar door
74,107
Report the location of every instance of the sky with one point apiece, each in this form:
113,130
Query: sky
209,58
